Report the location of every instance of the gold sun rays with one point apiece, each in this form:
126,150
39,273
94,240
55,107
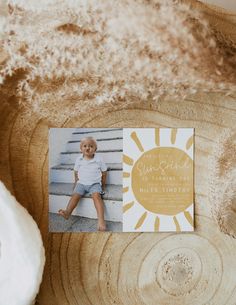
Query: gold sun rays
128,160
127,206
141,221
177,226
189,143
188,217
136,137
173,135
157,224
125,189
126,175
157,136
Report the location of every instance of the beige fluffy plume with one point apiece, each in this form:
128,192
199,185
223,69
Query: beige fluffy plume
222,193
72,55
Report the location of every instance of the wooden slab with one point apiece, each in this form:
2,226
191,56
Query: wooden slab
196,268
125,269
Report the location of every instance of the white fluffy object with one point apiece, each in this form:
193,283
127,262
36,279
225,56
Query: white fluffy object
22,255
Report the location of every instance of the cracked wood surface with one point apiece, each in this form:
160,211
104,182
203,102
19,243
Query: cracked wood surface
109,268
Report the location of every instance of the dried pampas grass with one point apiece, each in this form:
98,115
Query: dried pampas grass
223,183
74,55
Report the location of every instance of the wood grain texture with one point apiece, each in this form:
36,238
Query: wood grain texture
126,269
112,268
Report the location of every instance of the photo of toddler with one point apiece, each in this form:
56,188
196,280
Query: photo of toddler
90,177
85,180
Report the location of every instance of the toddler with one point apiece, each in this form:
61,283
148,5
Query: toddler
90,177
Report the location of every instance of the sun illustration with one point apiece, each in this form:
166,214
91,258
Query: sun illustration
158,179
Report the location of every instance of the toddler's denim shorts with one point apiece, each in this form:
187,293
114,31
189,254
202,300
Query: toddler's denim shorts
82,189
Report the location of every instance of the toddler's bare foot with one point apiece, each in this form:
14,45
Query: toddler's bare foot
63,213
102,227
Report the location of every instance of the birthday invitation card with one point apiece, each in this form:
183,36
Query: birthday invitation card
144,179
158,178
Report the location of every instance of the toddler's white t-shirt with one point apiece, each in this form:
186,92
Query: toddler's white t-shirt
90,171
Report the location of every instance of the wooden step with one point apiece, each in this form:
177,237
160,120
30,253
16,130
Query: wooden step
92,130
65,173
113,192
108,156
59,195
98,134
103,144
